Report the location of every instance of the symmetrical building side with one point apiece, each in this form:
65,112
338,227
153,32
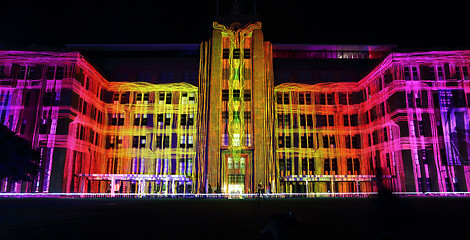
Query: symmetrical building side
238,131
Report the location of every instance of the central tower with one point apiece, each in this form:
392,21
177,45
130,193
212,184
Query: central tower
235,149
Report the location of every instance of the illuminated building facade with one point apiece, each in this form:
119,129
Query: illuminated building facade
239,115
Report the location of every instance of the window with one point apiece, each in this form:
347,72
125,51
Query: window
326,166
160,118
166,141
225,95
236,53
167,119
159,141
135,142
224,139
440,72
225,53
303,141
59,73
325,141
332,141
303,121
224,114
139,141
331,120
143,141
190,141
301,99
465,72
181,166
168,98
330,99
288,141
50,72
308,98
247,95
407,73
137,120
311,165
354,120
286,98
279,98
236,140
247,117
121,119
310,120
321,120
183,119
334,165
161,97
146,98
236,95
286,120
346,120
348,141
248,140
113,120
246,53
182,141
192,97
190,119
144,120
310,141
322,99
165,166
189,166
414,73
22,72
281,141
356,141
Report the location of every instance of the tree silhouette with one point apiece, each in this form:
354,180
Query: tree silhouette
18,161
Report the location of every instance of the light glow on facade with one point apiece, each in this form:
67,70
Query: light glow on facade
236,132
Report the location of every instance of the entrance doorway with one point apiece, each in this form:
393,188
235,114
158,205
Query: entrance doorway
236,188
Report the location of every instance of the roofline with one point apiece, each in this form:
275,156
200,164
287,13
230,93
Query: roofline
135,47
335,47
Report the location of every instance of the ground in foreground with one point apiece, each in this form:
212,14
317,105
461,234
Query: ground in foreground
369,218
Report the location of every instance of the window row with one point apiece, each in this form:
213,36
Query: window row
160,141
307,166
305,98
236,163
83,133
236,140
236,95
236,53
117,119
325,141
32,72
160,97
306,120
182,166
90,111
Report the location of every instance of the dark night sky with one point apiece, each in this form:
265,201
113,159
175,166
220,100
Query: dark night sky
430,24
